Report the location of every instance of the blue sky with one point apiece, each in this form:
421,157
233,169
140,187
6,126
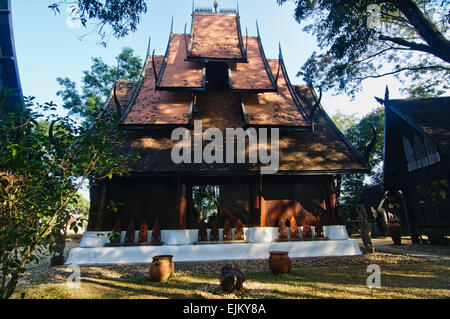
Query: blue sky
47,48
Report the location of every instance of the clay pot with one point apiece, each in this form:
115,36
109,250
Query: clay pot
161,268
279,262
395,232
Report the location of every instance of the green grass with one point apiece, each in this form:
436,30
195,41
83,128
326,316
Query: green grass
423,280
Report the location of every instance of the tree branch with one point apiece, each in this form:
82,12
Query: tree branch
411,45
437,43
431,67
379,53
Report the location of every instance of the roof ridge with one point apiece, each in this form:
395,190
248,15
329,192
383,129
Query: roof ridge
420,98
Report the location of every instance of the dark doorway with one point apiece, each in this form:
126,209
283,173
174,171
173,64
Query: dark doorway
216,74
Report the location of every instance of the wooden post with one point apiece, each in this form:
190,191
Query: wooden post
255,211
338,196
263,220
182,204
97,207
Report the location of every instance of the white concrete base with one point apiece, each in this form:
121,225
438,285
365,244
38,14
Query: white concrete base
93,239
143,254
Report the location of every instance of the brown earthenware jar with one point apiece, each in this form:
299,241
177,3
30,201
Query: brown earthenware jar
279,262
161,268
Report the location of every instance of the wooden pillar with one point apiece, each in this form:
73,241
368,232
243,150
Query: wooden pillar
97,209
254,202
191,222
338,197
262,208
256,195
182,204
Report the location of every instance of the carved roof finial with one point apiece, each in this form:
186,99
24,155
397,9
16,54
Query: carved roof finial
216,4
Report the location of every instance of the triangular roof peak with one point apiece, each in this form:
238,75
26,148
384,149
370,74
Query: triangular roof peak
216,36
220,11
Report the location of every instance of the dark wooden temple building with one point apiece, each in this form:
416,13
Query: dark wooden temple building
417,164
9,74
216,75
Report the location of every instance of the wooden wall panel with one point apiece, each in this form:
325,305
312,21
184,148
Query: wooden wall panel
142,198
306,199
235,202
255,201
97,209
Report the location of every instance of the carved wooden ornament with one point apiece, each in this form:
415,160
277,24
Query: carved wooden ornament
227,232
143,232
293,229
239,231
282,229
156,232
129,236
214,235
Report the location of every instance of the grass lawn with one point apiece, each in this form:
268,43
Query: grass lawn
422,280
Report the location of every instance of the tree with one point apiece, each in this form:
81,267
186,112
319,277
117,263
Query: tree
45,160
40,175
361,39
359,133
88,105
97,84
114,17
374,38
206,201
80,207
344,121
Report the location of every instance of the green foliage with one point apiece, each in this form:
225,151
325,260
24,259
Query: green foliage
359,133
433,192
344,121
206,201
97,84
40,175
403,38
115,17
112,236
80,207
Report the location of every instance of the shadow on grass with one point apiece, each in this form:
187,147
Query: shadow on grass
413,280
144,287
394,278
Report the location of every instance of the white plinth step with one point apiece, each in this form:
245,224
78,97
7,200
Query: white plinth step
206,252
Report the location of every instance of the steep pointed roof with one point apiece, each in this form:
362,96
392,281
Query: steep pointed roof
278,108
429,115
322,151
254,75
260,95
216,37
150,107
177,73
124,92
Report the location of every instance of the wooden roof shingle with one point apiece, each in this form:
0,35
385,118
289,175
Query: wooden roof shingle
177,72
151,107
432,115
215,36
273,108
254,75
322,151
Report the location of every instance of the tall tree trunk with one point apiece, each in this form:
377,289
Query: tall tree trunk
438,44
